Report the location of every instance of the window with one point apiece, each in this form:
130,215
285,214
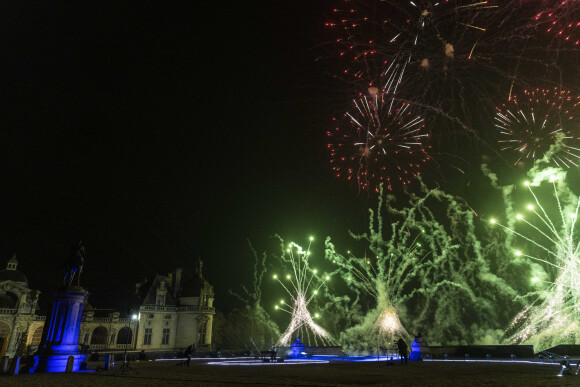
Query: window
165,339
147,336
201,335
125,336
160,300
168,317
99,336
151,315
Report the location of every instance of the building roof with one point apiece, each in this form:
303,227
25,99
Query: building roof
175,286
13,275
150,291
194,286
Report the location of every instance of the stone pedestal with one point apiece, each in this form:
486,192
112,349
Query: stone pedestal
298,349
61,335
419,348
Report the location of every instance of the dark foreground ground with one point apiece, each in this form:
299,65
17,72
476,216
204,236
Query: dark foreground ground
166,373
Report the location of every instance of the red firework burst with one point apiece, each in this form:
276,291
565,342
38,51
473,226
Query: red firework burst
541,124
370,34
379,140
560,18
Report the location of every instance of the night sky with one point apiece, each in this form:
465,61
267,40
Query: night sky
159,133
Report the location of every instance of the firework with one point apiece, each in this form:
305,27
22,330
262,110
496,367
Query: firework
302,286
375,31
448,27
389,43
420,273
541,124
384,276
450,58
552,317
360,55
379,140
561,19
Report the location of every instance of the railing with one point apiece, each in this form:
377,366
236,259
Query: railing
195,308
125,320
159,308
14,311
111,347
102,319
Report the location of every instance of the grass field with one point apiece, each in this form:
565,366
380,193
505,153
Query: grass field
166,373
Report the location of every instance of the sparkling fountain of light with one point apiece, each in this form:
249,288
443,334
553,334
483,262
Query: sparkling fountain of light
552,316
302,286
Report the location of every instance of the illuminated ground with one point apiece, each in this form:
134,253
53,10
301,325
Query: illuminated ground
362,373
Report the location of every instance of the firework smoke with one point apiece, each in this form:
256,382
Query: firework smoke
257,329
427,272
547,231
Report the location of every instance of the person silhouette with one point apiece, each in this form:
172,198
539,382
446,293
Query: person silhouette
403,351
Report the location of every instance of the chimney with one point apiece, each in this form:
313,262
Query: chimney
177,283
198,268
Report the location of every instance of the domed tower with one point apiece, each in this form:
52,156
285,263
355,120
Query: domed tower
12,274
18,304
195,310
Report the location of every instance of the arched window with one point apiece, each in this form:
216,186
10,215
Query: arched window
99,336
125,336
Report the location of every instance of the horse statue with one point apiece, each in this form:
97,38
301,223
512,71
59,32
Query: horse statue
74,264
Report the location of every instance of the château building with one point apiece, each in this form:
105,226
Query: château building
170,313
176,312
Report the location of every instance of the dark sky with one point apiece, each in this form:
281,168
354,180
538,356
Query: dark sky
159,133
164,132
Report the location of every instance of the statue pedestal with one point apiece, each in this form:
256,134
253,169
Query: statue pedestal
298,349
419,348
61,335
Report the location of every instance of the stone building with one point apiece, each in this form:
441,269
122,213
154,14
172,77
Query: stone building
107,331
20,326
170,313
175,312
